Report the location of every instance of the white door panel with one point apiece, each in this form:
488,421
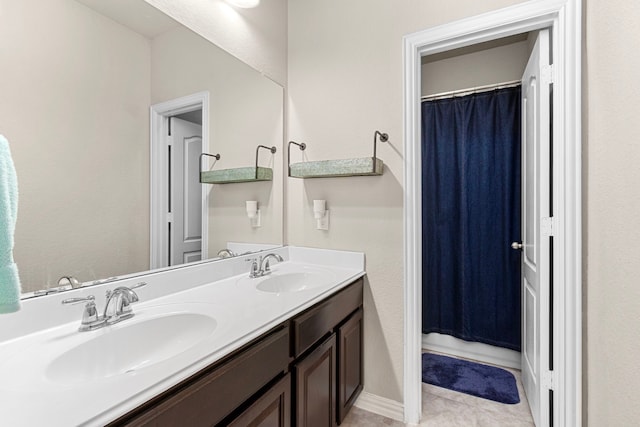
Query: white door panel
186,192
535,203
192,203
192,256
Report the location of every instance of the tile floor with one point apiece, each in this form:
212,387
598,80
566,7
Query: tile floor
446,408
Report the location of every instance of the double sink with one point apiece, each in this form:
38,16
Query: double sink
185,320
160,332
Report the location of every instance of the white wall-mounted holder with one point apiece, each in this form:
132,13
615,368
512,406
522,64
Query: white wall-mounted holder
321,214
253,213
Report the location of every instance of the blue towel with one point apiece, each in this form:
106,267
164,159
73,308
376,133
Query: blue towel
9,279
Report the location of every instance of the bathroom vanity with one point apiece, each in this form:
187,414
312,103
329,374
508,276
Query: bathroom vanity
207,346
307,369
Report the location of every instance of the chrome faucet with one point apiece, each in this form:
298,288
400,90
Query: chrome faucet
262,268
264,263
117,309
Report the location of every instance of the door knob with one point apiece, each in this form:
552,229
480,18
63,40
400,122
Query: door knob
516,245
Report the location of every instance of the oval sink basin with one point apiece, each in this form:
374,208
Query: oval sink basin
125,348
294,281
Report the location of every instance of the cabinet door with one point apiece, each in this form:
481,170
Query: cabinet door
349,363
316,387
273,409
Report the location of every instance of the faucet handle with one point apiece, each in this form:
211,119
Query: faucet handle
254,267
89,298
90,317
138,285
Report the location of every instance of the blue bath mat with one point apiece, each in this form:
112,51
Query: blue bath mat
471,378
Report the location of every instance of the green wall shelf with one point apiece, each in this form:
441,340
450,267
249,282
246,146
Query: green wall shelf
236,175
366,166
361,166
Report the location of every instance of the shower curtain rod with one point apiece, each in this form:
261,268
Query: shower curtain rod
471,90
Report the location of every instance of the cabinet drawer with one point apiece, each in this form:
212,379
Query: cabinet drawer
316,322
208,400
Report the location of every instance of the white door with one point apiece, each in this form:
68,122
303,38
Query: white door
185,198
535,223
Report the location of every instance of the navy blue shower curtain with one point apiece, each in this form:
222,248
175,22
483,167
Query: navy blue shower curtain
470,215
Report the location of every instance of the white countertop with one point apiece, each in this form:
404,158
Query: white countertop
33,392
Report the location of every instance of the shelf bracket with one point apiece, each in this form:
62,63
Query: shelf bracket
215,156
272,149
384,137
302,147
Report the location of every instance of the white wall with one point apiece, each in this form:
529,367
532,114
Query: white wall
66,74
256,36
468,68
246,109
350,82
345,81
612,159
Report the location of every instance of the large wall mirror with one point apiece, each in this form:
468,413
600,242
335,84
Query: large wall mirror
79,78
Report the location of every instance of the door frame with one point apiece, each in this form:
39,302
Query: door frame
564,19
159,186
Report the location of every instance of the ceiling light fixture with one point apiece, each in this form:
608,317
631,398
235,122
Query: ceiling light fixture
245,4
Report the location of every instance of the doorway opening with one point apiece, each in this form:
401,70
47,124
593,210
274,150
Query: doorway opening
179,203
562,18
477,145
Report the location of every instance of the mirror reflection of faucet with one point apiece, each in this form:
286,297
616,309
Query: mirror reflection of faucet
226,253
117,308
69,280
261,268
65,283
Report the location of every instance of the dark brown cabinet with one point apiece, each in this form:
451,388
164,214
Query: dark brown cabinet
307,372
316,386
350,372
273,409
334,365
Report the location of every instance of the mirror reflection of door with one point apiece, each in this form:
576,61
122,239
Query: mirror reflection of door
185,192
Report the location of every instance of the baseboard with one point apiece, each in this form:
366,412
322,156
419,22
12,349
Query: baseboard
381,406
471,350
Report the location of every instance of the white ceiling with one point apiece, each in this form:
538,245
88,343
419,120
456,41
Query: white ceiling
134,14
